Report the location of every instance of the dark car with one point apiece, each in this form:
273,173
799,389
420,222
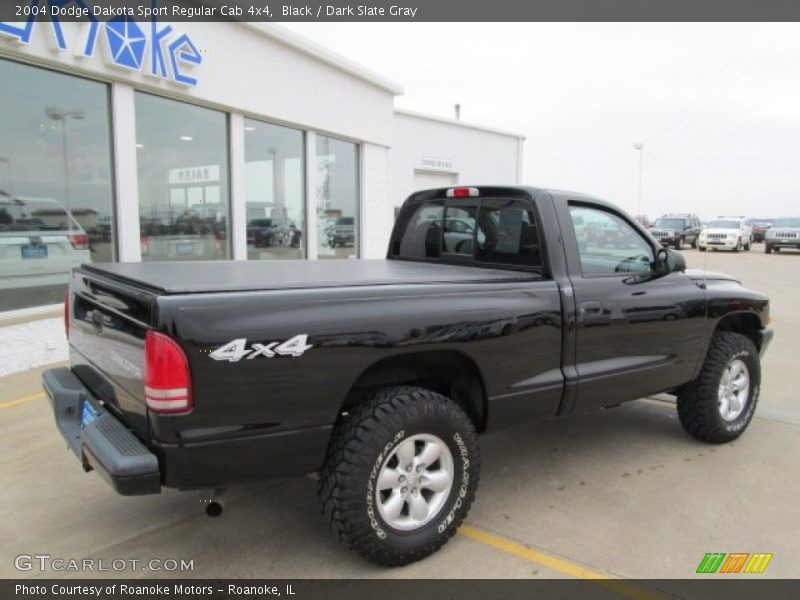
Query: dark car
759,229
378,374
676,230
260,233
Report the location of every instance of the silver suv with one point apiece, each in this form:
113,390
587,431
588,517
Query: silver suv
784,233
40,242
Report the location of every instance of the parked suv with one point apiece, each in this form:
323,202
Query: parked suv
784,233
731,233
344,232
677,230
38,236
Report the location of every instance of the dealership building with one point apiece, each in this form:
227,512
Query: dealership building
138,141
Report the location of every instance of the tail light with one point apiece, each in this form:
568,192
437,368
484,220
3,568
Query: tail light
167,385
79,241
66,312
145,244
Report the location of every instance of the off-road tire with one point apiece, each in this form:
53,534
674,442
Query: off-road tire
359,444
698,409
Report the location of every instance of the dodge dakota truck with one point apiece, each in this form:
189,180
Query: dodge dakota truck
494,305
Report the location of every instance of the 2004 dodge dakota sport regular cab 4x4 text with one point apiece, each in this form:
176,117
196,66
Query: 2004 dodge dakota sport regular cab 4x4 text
492,307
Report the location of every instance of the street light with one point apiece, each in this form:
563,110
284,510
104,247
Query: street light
640,147
61,116
5,160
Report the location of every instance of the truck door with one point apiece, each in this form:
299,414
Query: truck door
637,332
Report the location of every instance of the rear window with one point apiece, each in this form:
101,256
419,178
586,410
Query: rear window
724,224
34,214
670,223
492,231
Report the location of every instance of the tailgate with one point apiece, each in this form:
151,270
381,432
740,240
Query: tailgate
108,322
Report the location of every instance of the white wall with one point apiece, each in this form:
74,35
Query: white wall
478,156
377,213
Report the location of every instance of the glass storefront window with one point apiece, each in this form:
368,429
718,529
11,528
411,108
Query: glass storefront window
274,190
182,155
337,198
56,183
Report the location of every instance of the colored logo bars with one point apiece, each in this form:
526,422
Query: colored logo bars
735,562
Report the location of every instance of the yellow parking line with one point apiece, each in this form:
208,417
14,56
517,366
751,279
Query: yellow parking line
22,400
558,564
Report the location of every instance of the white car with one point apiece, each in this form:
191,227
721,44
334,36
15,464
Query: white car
40,242
729,233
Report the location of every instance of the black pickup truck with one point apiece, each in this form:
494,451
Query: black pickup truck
494,305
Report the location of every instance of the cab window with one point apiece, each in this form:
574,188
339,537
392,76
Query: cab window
422,233
609,245
459,230
507,234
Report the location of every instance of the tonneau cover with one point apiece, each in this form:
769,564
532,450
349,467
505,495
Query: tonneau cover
255,275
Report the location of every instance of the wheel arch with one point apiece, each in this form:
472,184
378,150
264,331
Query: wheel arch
448,372
745,323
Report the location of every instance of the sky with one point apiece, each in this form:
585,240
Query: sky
716,105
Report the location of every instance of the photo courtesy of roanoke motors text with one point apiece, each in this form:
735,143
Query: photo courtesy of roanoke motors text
392,299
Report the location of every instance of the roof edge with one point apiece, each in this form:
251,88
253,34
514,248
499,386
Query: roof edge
458,122
323,54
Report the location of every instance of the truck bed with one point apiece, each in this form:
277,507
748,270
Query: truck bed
240,276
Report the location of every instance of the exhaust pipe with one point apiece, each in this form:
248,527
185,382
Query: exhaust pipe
216,504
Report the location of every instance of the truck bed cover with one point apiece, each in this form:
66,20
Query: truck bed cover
237,276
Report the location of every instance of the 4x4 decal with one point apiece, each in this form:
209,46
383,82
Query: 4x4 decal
237,349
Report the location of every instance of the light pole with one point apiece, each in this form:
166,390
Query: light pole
61,116
5,160
640,147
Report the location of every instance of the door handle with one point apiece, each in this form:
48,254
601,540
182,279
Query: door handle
592,307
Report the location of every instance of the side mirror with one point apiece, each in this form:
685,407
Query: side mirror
670,261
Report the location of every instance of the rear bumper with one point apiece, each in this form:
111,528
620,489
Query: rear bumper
104,444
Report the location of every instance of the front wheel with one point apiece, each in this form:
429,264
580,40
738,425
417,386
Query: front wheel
718,406
701,248
738,247
400,475
767,249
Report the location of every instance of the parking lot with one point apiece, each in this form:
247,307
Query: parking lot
615,493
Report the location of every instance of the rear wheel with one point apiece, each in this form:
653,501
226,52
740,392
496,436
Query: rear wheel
718,406
400,475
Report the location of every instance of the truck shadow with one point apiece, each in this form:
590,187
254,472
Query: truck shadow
275,529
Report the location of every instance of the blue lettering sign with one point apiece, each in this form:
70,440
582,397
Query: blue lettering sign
126,41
